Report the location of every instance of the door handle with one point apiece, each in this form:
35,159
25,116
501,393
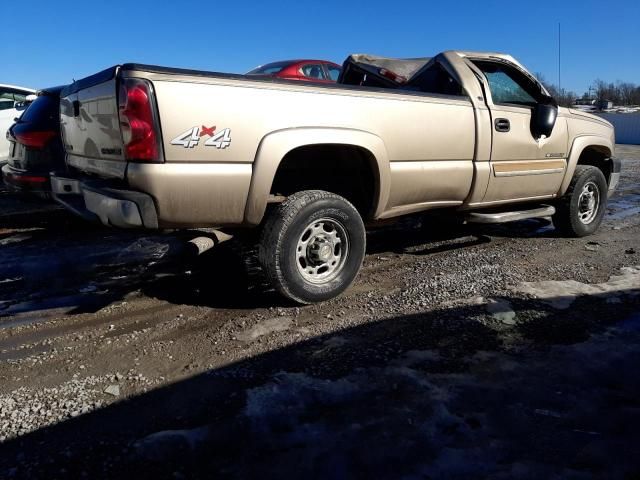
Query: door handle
502,125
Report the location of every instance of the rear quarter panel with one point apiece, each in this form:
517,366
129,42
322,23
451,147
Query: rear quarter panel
413,128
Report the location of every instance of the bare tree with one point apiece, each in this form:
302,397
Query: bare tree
626,92
620,93
604,90
565,98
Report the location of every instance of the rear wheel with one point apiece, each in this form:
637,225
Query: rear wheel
580,211
312,246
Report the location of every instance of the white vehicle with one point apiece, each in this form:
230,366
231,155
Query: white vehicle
13,101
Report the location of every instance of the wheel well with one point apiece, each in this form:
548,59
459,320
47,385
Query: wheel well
599,158
346,170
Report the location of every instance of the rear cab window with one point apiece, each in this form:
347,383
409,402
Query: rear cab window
435,79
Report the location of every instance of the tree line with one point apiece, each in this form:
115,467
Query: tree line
620,93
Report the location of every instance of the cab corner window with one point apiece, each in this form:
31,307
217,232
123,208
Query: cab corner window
436,79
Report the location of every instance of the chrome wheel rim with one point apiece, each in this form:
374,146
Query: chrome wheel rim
588,203
321,251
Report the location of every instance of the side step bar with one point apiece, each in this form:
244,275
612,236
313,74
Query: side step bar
512,216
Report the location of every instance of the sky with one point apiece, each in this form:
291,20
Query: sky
46,43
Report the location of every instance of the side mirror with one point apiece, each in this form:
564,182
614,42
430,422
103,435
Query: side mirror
543,118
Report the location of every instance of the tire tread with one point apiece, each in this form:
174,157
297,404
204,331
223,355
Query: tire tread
562,219
273,231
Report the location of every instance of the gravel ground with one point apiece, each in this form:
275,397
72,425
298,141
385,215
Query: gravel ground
489,351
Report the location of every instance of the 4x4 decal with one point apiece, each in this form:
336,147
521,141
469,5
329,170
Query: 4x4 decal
191,137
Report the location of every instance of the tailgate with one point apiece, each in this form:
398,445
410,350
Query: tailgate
90,125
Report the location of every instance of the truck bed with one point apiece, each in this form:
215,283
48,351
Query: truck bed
196,185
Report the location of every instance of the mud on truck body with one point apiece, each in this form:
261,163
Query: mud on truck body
472,133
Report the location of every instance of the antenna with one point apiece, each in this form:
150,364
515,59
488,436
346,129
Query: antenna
559,78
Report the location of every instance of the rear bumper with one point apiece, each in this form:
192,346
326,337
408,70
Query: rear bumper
25,181
616,166
166,195
110,206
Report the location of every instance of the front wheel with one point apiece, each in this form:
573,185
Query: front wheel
580,211
312,246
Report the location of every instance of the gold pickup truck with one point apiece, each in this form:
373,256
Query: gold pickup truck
308,164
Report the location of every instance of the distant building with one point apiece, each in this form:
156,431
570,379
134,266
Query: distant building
627,126
605,104
585,101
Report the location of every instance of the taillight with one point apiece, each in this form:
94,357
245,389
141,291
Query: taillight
35,139
25,178
137,121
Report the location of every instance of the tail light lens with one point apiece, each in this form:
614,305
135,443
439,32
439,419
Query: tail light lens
35,139
138,121
25,178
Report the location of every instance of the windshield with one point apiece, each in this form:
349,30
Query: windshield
270,68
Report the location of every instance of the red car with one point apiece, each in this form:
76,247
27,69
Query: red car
304,70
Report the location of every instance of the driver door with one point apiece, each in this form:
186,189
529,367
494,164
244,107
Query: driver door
522,167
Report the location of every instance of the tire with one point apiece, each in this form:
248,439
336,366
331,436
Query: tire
575,216
312,246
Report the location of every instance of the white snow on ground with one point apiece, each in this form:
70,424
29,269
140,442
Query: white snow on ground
561,294
277,324
158,446
14,239
456,425
502,311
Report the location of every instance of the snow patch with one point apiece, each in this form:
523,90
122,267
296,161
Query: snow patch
561,294
170,443
502,311
631,324
277,324
14,239
622,214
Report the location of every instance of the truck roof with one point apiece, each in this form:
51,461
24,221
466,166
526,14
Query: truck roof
489,55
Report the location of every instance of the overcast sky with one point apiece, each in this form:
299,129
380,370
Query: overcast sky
45,45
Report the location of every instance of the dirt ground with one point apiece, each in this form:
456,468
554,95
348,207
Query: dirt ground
503,352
